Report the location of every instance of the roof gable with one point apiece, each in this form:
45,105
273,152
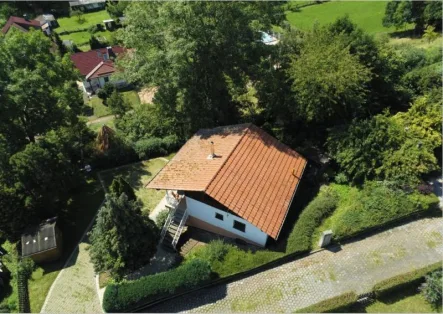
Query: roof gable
87,61
256,176
20,23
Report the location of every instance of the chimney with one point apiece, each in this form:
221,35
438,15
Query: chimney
212,154
109,50
25,16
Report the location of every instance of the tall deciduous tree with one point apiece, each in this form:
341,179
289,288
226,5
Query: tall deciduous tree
328,81
190,49
38,90
122,239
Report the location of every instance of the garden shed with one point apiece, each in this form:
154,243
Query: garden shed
42,243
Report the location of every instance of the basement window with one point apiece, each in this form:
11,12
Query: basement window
219,216
239,226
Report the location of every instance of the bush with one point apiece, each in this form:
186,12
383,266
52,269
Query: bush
105,92
161,218
376,204
227,259
92,29
154,146
341,303
312,216
403,281
431,289
123,296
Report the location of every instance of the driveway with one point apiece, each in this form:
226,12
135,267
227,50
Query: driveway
355,266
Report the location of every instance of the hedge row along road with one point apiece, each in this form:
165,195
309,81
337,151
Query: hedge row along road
355,266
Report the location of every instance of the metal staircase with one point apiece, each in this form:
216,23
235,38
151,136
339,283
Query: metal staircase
174,224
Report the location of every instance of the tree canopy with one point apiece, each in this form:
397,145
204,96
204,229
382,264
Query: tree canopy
123,239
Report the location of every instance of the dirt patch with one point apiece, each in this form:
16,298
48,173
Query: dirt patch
147,94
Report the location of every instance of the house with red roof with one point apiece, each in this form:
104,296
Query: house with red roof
96,67
22,24
236,181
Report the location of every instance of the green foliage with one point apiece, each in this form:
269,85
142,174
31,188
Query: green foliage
121,297
119,185
421,13
430,34
338,304
311,217
94,43
328,81
431,289
122,239
398,148
376,204
399,282
193,89
117,103
116,8
161,218
153,147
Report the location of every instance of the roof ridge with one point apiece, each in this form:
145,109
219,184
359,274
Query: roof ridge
94,69
230,154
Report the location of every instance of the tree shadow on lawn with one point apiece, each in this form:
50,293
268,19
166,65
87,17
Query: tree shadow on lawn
132,173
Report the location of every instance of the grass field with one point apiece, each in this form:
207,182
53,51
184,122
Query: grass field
366,14
138,175
71,23
81,39
81,208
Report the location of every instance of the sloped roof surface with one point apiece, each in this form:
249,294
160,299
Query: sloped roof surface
255,176
22,24
87,61
39,239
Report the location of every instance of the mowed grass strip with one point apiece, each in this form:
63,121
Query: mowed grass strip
138,175
368,15
72,23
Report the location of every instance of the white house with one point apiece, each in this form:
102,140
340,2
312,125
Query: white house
237,181
96,67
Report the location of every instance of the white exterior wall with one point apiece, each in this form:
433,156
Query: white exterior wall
207,213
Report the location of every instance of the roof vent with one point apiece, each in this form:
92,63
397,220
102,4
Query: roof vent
212,154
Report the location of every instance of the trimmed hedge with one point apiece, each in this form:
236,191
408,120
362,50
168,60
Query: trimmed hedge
413,278
154,146
341,303
123,296
319,208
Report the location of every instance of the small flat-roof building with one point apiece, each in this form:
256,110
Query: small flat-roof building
42,243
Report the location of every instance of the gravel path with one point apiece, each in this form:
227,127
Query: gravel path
356,266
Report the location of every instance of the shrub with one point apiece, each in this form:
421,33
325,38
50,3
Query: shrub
93,29
123,296
161,218
227,259
425,188
341,178
154,146
432,287
320,207
376,204
341,303
105,92
402,281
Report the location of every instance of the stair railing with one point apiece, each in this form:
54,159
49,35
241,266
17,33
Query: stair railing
179,229
167,223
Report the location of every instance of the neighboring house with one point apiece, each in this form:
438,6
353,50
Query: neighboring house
96,67
237,181
270,39
87,5
21,23
48,19
42,243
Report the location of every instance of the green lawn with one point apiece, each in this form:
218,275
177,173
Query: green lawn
71,23
98,109
366,14
132,97
81,39
407,301
81,208
138,175
97,125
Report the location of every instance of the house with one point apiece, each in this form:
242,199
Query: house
42,243
21,23
96,67
237,181
48,19
270,39
87,5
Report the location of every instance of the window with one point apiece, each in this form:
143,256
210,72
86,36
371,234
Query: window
105,56
239,226
219,216
106,79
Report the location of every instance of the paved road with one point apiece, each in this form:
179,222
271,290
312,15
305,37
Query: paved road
357,266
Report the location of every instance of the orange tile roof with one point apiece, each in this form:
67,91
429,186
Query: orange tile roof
253,174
